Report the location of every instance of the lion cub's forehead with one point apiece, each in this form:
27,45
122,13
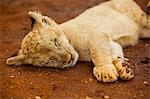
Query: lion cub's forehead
53,32
40,35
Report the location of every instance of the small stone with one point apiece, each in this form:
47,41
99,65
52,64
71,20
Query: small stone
76,95
11,87
134,96
146,44
29,98
18,73
128,53
87,97
106,97
47,73
6,50
40,75
37,97
116,81
145,82
90,79
30,83
11,98
141,93
12,76
85,82
64,77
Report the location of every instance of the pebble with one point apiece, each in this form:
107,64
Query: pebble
30,83
146,44
40,75
11,87
47,73
145,82
90,79
116,81
29,98
106,97
11,98
134,96
37,97
87,97
128,53
12,76
18,73
86,82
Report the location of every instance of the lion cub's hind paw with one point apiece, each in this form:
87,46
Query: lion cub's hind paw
106,73
125,72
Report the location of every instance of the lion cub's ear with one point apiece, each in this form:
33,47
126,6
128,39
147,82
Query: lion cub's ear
16,60
147,10
40,20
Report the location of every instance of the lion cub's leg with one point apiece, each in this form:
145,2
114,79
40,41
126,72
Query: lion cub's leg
120,62
104,69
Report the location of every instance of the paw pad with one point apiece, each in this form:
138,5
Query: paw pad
106,73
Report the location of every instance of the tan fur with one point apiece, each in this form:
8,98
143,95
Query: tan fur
98,34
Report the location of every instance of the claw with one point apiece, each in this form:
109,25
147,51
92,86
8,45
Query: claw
123,69
126,59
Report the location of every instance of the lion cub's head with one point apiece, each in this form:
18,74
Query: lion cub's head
45,45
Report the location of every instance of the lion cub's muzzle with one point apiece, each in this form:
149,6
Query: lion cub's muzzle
70,60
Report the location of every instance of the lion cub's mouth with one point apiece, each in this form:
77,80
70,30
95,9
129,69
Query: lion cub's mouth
72,61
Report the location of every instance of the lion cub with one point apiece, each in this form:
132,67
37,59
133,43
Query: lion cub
98,34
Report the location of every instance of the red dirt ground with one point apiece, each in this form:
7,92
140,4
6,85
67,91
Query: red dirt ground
29,82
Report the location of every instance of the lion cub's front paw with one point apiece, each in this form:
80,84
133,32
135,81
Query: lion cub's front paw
124,71
107,73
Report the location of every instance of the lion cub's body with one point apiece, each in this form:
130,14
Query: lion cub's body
98,34
103,18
